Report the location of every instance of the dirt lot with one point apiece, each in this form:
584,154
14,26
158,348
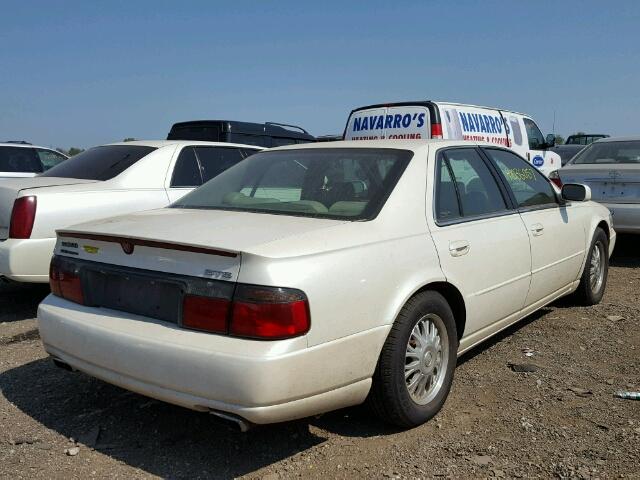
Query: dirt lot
559,421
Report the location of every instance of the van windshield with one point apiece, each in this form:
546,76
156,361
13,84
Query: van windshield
338,183
609,152
99,163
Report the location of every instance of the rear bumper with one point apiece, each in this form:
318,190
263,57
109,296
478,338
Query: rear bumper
26,260
626,217
262,382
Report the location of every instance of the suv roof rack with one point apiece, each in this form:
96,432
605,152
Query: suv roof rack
287,125
18,142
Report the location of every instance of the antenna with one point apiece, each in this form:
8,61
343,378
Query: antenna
553,129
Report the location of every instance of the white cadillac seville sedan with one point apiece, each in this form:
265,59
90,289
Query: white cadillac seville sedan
310,278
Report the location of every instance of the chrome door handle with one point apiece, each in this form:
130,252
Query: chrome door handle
459,248
537,229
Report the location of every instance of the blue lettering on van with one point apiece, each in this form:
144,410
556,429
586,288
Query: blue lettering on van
538,161
464,121
420,120
387,121
357,122
379,122
406,120
481,123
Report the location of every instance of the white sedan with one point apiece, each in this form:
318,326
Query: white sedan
305,279
100,182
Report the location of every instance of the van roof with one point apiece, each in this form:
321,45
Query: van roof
435,102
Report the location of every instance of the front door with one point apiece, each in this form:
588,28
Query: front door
556,232
481,241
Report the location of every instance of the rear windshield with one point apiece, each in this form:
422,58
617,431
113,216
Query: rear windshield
609,152
19,159
339,183
99,163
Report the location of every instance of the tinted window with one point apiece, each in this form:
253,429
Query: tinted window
609,152
528,185
350,183
466,186
186,172
16,159
215,160
100,163
279,141
49,158
536,140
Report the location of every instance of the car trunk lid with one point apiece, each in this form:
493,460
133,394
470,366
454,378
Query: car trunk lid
12,188
611,183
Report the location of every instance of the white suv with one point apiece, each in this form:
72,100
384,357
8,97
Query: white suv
21,159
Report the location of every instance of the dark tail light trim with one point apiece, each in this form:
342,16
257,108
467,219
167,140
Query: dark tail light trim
147,243
213,306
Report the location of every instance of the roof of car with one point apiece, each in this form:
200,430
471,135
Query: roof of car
397,144
164,143
24,145
631,138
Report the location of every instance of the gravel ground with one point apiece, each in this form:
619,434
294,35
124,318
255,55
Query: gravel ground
560,421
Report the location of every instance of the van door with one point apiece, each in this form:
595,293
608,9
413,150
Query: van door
544,160
481,241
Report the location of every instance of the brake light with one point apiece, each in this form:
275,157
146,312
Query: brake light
23,216
205,313
65,282
555,178
269,313
436,130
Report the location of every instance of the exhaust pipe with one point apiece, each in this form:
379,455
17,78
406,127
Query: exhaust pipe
60,364
237,421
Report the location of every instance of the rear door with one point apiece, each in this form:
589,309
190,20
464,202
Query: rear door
556,232
481,241
392,122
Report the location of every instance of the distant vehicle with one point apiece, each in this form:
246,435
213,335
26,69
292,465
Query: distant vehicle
329,138
314,277
611,167
574,144
455,121
21,159
266,135
100,182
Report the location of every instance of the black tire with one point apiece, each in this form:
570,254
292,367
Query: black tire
586,294
389,397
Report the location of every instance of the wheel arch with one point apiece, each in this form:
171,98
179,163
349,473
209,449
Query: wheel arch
454,298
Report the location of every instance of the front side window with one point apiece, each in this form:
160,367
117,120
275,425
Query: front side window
626,152
100,163
529,186
465,186
338,183
50,158
536,139
19,159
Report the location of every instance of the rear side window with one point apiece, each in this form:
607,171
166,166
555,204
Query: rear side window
100,163
187,171
529,186
215,160
466,187
536,140
49,158
17,159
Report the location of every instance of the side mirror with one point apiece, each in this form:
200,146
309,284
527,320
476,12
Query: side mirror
576,192
550,140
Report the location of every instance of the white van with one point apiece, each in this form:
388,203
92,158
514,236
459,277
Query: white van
429,119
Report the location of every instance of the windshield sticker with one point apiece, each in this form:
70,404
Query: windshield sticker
519,174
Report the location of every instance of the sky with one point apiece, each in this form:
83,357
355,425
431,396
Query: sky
76,73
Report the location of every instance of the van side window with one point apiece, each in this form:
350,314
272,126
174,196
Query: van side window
187,171
466,187
536,140
528,185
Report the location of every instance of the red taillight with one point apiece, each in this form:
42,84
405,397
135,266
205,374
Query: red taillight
436,130
205,313
64,279
22,217
555,178
269,313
